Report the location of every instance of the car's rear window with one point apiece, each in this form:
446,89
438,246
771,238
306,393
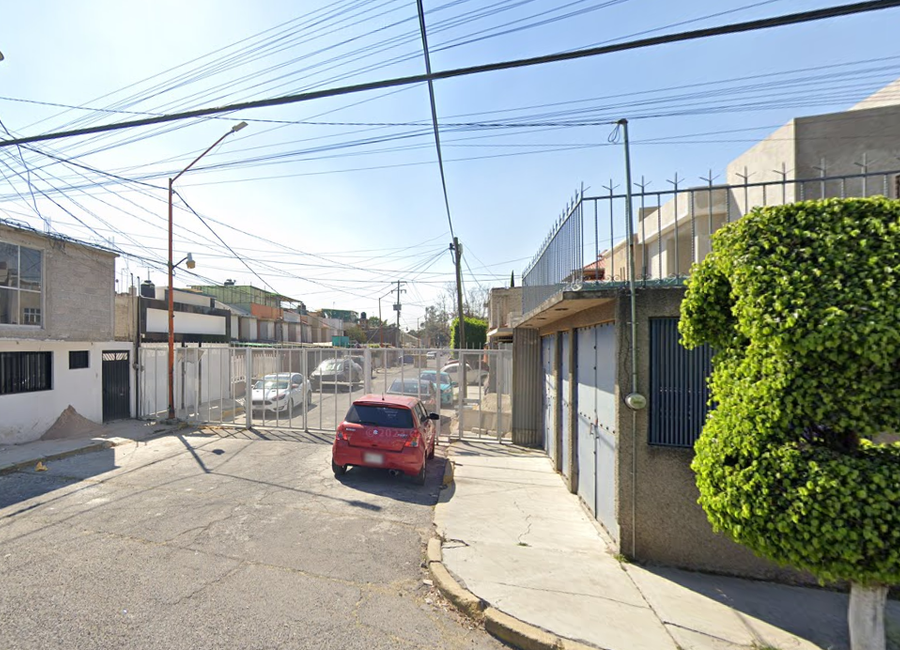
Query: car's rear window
380,416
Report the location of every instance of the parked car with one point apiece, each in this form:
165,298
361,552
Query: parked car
361,362
474,376
394,432
336,371
444,383
281,393
412,387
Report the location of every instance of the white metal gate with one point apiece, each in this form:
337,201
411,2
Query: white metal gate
548,365
596,435
311,388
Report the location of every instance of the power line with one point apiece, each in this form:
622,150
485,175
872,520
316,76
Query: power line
434,117
734,28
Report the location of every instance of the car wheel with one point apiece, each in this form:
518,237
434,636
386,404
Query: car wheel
309,398
419,478
430,453
339,470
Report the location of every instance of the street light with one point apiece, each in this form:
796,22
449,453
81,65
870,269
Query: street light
171,269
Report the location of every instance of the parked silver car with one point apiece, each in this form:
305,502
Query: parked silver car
283,392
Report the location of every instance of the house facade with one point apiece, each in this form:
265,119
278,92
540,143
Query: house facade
602,382
57,343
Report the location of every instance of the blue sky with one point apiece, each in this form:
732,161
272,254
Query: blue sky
325,218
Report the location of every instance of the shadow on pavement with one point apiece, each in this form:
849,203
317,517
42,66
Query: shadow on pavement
24,484
379,482
817,615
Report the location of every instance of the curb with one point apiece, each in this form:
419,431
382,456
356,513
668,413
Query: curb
92,446
518,633
95,446
508,629
462,598
448,473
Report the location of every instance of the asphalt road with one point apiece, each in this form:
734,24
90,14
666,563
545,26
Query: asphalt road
240,540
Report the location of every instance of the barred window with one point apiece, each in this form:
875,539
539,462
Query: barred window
25,372
21,285
78,359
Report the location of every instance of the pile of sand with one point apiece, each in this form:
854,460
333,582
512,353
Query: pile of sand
70,424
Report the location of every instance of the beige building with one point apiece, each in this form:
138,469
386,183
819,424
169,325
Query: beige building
851,153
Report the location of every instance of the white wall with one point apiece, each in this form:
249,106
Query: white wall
186,323
25,417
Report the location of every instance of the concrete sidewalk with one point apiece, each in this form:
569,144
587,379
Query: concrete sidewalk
113,434
516,538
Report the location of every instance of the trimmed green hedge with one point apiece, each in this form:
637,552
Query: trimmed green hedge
802,304
476,333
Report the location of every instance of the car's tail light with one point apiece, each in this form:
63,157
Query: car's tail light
413,440
341,433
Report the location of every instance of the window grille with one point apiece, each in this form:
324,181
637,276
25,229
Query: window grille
25,372
679,393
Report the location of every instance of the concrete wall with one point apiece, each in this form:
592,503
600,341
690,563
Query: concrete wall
760,163
658,514
841,140
78,290
125,317
26,416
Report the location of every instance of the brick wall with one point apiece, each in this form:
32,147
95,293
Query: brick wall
78,290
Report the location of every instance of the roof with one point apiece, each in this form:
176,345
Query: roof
22,227
373,399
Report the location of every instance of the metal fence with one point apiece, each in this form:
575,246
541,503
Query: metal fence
587,245
230,386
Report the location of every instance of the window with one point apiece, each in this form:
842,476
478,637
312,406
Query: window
380,416
679,394
25,372
78,359
21,285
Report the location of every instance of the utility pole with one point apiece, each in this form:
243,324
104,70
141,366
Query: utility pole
461,343
397,309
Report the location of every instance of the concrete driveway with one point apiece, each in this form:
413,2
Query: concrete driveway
239,540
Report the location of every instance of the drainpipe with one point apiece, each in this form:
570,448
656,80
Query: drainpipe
634,400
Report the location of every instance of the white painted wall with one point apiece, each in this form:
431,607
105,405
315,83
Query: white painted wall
186,323
24,417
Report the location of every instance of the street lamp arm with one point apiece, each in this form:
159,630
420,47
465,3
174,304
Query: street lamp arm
234,129
171,269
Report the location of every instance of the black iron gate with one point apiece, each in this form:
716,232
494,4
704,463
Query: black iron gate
116,385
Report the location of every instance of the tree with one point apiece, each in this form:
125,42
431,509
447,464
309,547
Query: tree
476,333
801,304
355,333
436,327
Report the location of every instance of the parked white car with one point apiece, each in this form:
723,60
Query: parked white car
281,393
474,376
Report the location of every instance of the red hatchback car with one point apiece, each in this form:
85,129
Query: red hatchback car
393,432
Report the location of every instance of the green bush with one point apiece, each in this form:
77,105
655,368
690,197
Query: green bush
476,333
802,304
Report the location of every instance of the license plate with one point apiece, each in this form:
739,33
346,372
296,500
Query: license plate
375,459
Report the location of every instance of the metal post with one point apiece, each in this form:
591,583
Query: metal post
461,343
248,387
864,165
171,339
675,207
630,250
783,173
